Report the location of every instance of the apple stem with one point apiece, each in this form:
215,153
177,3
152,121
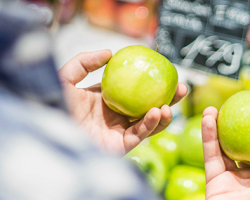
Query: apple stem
131,119
157,47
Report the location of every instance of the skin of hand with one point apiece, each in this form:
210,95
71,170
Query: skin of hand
111,131
224,179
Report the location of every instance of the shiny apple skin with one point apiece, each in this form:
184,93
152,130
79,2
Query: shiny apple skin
136,79
234,127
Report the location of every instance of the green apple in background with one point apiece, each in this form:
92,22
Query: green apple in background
234,127
244,76
225,86
151,163
191,150
198,196
199,98
136,79
184,181
166,144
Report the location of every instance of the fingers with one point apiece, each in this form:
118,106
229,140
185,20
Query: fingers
214,163
136,133
155,121
166,119
181,91
229,164
211,111
79,67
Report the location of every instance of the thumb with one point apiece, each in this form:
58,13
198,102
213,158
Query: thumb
79,67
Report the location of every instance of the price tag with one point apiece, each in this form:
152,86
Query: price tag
207,35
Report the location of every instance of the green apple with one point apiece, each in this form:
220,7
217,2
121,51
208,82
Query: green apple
234,126
225,86
244,76
191,150
151,163
136,79
199,99
166,144
198,196
184,181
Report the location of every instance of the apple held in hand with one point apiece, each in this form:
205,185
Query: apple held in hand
234,127
136,79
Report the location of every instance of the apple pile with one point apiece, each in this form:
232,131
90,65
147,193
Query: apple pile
180,155
214,93
186,181
167,167
152,164
191,150
171,171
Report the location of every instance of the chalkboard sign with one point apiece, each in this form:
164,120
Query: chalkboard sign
208,35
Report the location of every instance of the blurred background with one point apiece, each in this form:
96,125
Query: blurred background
207,41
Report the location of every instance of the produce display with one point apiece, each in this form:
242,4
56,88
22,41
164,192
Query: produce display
185,180
138,78
225,86
168,145
207,36
148,159
136,18
199,99
214,93
163,151
182,152
244,76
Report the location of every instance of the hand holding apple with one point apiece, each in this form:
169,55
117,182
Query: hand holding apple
224,179
110,131
234,127
137,79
